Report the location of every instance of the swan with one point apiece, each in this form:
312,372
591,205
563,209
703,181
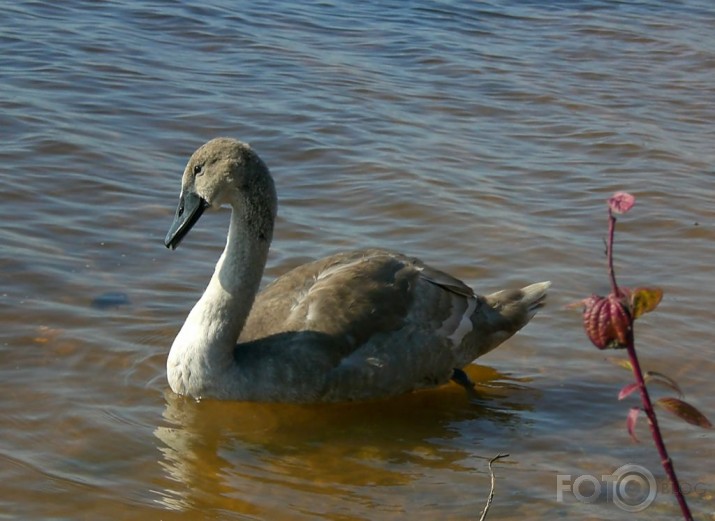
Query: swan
357,325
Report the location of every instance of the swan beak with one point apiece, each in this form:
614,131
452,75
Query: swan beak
190,208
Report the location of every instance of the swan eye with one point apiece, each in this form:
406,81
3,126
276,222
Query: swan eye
198,169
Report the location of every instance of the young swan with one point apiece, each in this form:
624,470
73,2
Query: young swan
353,326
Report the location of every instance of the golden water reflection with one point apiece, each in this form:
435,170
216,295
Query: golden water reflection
269,459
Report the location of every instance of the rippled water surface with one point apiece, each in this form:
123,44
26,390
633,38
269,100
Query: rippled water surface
482,137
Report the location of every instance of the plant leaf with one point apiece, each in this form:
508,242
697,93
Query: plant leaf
621,362
631,422
621,202
660,378
578,304
645,300
684,411
627,390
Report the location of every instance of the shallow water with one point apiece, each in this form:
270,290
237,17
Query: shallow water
483,138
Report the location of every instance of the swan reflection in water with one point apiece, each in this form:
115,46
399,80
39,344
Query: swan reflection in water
258,459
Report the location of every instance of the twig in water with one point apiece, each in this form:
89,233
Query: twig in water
491,492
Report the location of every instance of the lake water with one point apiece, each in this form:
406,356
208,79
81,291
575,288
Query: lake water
482,137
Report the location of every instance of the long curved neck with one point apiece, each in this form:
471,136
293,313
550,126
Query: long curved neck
205,344
234,284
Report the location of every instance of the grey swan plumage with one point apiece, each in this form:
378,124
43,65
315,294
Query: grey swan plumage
358,325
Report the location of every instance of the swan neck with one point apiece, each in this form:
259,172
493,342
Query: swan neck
237,277
203,350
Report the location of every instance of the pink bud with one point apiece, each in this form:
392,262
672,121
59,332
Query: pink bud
621,202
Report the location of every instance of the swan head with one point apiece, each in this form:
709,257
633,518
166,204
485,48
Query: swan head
223,172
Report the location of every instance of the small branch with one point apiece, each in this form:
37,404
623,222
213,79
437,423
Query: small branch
491,492
609,253
638,374
655,431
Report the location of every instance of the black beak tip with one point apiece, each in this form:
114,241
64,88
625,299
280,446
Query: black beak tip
190,208
172,239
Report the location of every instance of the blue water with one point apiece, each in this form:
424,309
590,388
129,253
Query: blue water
481,137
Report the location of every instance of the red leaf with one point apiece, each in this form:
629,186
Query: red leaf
660,378
631,422
607,322
627,390
684,411
621,202
620,322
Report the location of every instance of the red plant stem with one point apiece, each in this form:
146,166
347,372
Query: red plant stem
655,430
609,253
638,374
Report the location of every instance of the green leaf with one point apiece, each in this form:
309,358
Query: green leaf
620,362
660,378
645,300
684,411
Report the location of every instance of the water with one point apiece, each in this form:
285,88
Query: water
483,138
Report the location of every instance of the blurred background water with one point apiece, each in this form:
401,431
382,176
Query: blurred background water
482,137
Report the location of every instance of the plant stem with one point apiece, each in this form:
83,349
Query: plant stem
655,431
638,374
609,253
